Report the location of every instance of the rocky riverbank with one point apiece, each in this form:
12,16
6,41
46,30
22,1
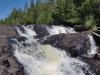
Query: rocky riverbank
76,44
8,63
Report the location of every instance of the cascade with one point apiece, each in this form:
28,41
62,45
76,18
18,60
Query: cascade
60,29
93,47
40,59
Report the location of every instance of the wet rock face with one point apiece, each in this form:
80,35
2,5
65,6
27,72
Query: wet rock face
8,63
97,56
41,30
76,44
94,65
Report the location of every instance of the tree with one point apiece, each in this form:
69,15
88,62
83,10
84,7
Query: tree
66,12
90,22
43,13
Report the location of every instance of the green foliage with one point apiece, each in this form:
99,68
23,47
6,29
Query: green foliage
90,23
66,12
73,12
37,13
44,14
78,12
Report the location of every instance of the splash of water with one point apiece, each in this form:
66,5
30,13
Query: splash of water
40,59
60,29
93,48
29,33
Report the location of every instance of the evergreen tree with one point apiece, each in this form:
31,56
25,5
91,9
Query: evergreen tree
43,13
66,12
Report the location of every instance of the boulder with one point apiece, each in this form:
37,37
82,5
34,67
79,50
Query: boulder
97,55
9,65
80,28
41,30
94,65
76,44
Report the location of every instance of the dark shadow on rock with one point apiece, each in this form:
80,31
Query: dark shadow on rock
76,44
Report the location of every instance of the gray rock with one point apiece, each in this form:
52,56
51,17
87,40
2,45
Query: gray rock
94,65
41,30
9,65
76,44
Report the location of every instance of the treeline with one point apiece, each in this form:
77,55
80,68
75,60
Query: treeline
67,12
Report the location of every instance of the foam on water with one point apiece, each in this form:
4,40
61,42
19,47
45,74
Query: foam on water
29,33
60,29
47,60
40,59
93,48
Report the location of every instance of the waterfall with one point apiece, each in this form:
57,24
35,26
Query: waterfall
60,29
93,48
40,59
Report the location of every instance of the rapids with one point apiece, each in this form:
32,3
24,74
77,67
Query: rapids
40,59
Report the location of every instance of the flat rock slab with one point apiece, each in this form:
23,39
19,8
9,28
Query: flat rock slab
8,63
5,33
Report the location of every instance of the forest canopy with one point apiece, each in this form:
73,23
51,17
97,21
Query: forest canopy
67,12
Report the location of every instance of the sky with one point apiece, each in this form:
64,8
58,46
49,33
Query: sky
6,6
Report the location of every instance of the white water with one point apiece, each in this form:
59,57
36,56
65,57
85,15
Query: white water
59,29
29,33
93,48
44,59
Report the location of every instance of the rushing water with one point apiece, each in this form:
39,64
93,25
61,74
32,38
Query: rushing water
40,59
93,47
59,29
